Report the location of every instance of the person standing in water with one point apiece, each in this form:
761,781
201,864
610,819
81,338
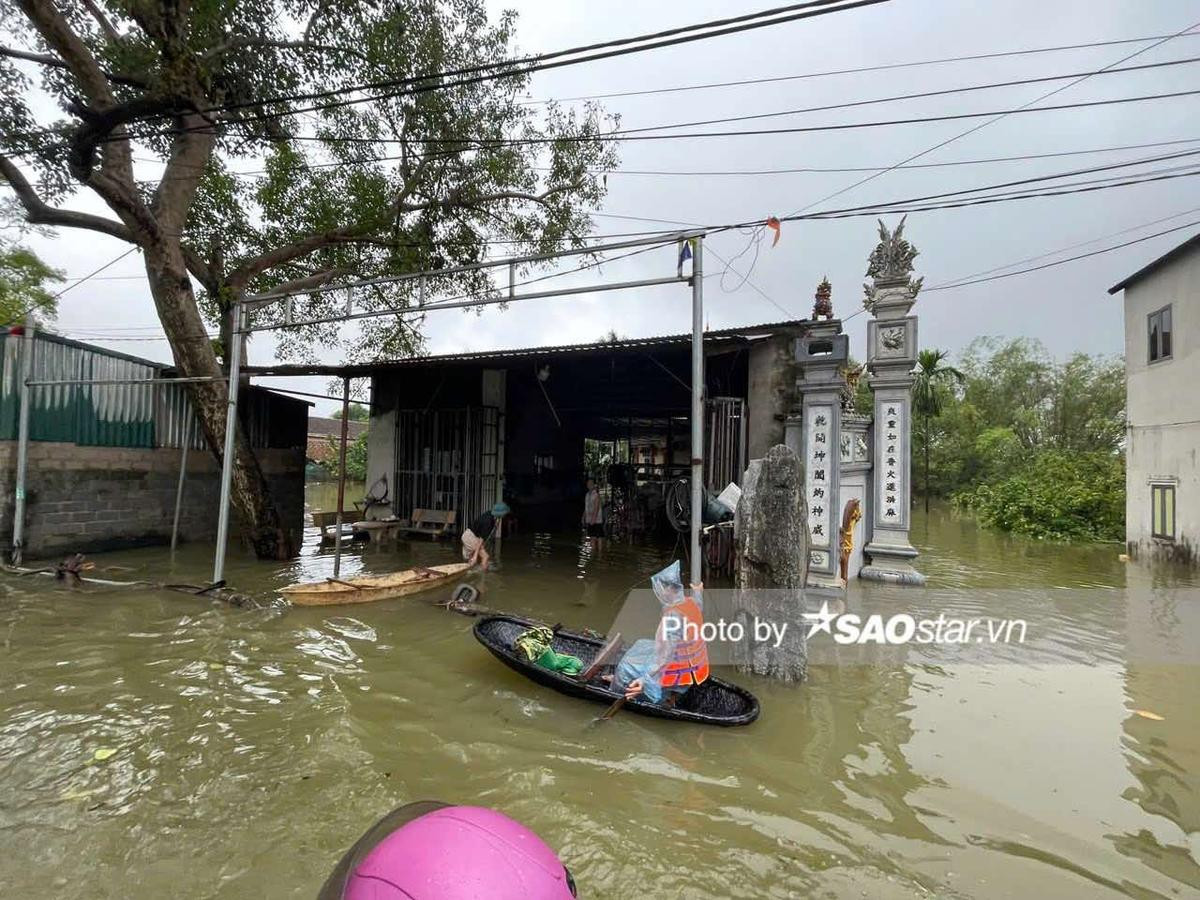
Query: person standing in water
475,537
593,515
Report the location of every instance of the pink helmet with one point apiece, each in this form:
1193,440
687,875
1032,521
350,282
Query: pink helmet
433,851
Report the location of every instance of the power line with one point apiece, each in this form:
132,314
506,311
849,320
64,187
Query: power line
1038,178
418,84
953,282
860,69
983,201
1024,107
938,165
746,172
914,96
638,133
20,316
485,143
946,287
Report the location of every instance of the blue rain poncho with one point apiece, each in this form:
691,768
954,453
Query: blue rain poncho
647,658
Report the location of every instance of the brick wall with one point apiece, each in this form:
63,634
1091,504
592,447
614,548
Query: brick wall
88,499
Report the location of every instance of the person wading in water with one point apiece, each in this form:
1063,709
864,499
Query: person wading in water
593,515
475,538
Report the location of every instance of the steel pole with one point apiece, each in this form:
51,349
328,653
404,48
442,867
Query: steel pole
18,535
337,535
235,371
697,403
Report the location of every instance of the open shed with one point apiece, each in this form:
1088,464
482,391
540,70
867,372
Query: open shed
459,431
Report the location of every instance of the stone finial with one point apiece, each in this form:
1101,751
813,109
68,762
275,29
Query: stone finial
824,296
891,264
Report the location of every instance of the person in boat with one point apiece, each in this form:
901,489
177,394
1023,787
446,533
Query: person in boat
593,515
664,668
476,536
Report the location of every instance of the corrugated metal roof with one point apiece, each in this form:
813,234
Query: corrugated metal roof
743,333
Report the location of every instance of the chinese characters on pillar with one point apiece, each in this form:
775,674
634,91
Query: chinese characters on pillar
820,462
891,464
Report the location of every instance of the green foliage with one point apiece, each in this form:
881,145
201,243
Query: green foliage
331,190
1030,444
24,285
359,412
1056,494
356,458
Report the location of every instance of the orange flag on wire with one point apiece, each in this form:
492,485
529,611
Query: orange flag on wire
773,224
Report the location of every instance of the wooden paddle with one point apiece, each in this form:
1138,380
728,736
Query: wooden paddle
612,710
344,583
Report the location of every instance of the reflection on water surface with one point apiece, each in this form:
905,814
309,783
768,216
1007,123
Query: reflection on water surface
253,746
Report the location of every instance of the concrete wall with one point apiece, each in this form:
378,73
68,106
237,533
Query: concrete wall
88,499
770,394
381,454
1164,408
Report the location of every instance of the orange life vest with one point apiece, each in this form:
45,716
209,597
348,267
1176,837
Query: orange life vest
689,659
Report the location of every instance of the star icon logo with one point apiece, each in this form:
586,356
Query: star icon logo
822,620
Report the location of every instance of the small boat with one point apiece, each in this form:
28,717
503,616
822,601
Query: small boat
369,588
715,702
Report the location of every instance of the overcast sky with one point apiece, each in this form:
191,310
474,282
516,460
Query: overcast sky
1066,307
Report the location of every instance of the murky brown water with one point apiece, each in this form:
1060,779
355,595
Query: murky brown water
253,746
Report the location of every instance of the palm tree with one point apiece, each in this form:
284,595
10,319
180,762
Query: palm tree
927,396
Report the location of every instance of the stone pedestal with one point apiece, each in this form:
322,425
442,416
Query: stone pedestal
821,354
892,354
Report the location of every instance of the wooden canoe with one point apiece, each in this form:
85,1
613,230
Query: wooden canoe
715,702
370,588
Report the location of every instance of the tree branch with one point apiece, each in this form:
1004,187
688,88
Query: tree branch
244,40
39,212
106,26
190,153
56,31
317,279
365,232
45,59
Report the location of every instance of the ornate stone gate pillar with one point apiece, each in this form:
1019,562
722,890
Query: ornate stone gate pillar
821,354
891,357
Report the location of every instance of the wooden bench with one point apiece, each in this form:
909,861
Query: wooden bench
432,523
326,521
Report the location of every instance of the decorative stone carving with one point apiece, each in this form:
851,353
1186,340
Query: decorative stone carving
823,308
891,263
891,341
851,375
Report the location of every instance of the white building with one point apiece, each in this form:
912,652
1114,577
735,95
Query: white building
1162,379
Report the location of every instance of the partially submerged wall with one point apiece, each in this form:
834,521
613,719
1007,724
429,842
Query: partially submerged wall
88,499
771,392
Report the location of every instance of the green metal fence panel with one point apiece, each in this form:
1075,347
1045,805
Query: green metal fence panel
123,415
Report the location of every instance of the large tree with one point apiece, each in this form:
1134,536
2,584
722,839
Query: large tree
246,146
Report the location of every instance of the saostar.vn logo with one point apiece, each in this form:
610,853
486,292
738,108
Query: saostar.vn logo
902,628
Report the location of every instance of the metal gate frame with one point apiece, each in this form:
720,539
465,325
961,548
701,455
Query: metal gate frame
725,440
447,459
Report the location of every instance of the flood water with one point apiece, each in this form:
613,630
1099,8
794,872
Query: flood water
253,746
